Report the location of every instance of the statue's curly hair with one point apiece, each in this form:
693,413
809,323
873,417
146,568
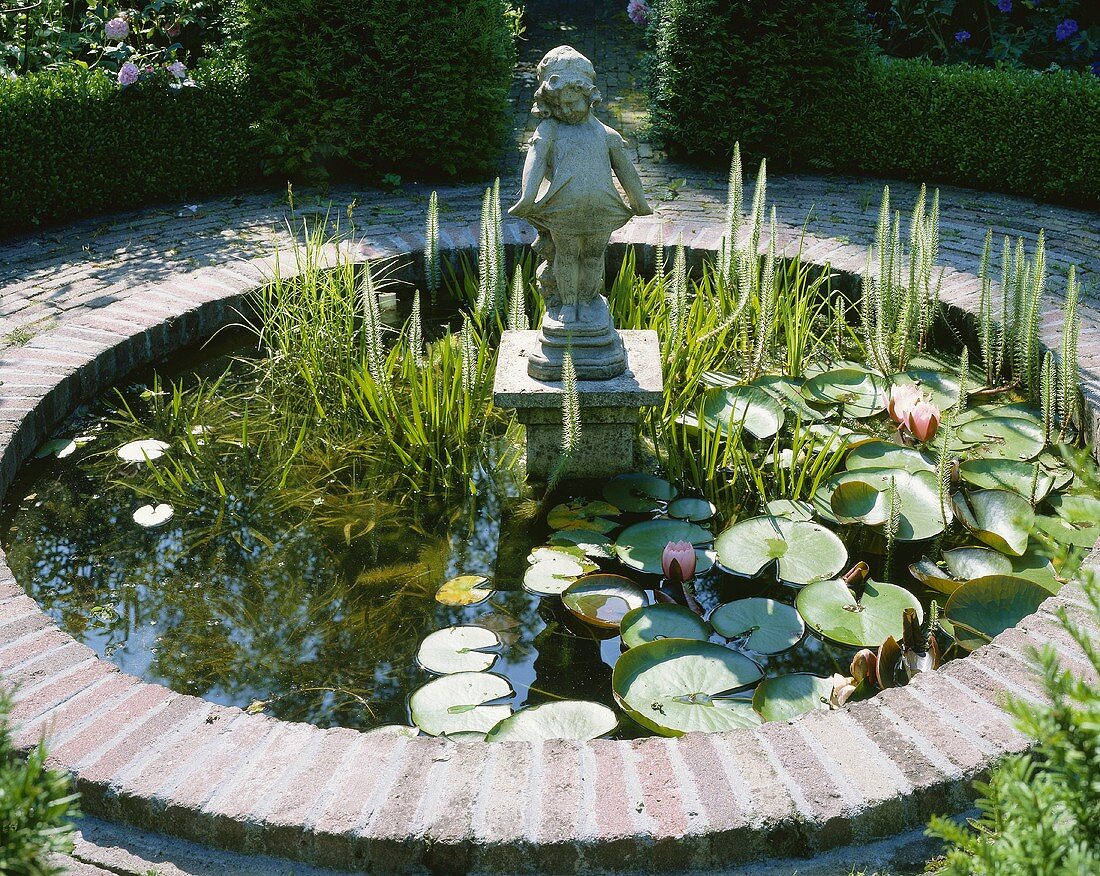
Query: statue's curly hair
560,69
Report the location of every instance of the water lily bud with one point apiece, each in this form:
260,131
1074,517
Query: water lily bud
923,420
678,561
864,665
903,398
843,688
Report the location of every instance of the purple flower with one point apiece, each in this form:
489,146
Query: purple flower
962,36
177,69
638,10
1004,5
1067,28
128,74
118,28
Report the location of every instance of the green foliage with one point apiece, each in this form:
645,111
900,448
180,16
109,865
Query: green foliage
728,70
382,85
74,143
1038,810
35,805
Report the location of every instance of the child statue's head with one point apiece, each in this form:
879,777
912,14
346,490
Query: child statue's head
567,86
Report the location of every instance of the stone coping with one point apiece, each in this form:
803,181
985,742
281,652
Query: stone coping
148,756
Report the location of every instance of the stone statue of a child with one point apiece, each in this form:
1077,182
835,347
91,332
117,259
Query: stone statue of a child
568,193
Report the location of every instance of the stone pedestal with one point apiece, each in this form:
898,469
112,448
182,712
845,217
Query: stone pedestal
590,337
609,408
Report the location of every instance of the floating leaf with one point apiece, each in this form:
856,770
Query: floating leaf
831,610
940,386
642,545
726,408
140,451
603,600
581,514
985,607
805,551
785,697
768,627
931,575
153,515
460,702
1065,532
61,447
550,577
639,493
458,649
676,686
557,552
1008,474
973,562
861,393
661,621
790,509
464,590
565,719
921,515
858,501
692,509
788,392
1002,438
883,454
1000,518
594,544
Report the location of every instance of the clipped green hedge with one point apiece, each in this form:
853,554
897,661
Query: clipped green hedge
74,143
797,84
417,87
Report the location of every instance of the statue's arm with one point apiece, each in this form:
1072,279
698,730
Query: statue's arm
628,176
534,171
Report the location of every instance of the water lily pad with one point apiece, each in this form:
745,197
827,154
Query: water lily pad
1002,438
140,451
460,702
858,391
639,493
603,600
788,392
661,621
985,607
942,387
1056,467
1067,532
834,436
1036,566
999,518
831,610
790,509
1016,410
566,719
931,575
61,447
884,454
550,577
464,590
676,686
594,544
1008,474
965,563
642,545
767,626
557,552
692,509
804,551
921,514
785,697
153,515
727,407
458,649
859,501
581,514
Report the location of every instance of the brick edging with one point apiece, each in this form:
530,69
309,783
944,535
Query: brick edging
146,755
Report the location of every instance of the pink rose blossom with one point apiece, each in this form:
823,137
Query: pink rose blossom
903,397
128,74
678,561
923,420
638,10
177,69
117,28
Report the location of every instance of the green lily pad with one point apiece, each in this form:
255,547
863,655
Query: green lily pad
1016,411
884,454
859,392
804,551
62,447
1001,438
639,493
785,697
146,450
464,590
662,620
603,600
676,686
1066,532
831,610
727,407
941,386
460,702
550,577
1036,566
594,544
788,392
790,509
565,719
1008,474
921,514
691,509
931,575
767,626
642,545
1056,468
858,501
458,649
985,607
834,436
966,563
999,518
556,552
581,514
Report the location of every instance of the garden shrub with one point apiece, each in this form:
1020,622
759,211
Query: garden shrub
35,805
377,86
75,143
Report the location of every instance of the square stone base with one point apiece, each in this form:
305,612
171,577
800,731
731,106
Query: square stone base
609,408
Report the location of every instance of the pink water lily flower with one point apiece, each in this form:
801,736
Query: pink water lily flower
678,561
903,397
923,420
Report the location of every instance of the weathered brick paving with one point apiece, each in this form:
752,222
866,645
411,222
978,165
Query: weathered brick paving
84,305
